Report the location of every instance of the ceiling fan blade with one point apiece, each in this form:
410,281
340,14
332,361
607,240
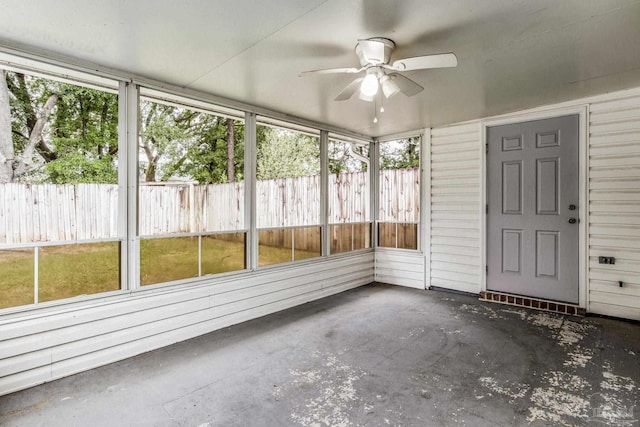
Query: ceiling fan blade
348,91
372,51
332,71
406,85
441,60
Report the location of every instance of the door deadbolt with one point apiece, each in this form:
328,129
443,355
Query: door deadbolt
572,220
572,207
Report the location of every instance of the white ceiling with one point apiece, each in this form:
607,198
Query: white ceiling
512,54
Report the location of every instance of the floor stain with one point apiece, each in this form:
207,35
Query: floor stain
566,397
331,385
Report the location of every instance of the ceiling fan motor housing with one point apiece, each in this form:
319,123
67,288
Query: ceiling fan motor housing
381,54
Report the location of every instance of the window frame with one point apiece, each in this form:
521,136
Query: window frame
322,223
368,219
420,136
35,69
171,99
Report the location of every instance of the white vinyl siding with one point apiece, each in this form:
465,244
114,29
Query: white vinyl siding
400,267
614,206
455,207
50,344
613,201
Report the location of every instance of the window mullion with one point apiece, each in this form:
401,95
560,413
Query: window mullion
251,247
374,178
324,193
131,181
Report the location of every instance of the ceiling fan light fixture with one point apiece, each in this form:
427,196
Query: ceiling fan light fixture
382,75
389,87
367,98
369,86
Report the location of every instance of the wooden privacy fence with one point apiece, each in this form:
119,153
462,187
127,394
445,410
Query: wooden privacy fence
65,212
50,212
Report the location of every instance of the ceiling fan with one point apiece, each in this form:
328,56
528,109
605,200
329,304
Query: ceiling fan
374,55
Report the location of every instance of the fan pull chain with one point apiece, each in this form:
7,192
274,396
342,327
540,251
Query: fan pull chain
375,111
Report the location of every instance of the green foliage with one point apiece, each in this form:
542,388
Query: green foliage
160,137
206,159
79,143
28,95
284,153
400,154
338,157
75,168
181,143
85,136
341,160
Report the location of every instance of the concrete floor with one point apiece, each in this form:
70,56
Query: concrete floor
377,355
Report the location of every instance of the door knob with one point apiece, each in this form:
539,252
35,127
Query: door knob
572,220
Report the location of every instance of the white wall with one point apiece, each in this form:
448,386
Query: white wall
455,207
45,344
614,205
400,267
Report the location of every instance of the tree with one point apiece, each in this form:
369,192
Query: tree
346,157
6,143
338,157
285,154
160,136
400,154
19,155
231,174
56,132
84,137
178,142
216,151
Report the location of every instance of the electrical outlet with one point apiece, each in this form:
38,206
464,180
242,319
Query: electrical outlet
606,260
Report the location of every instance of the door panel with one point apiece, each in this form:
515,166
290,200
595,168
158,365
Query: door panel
532,179
511,255
546,254
512,187
547,187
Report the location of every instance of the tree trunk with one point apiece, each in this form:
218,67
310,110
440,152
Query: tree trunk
6,141
19,89
26,160
230,150
150,174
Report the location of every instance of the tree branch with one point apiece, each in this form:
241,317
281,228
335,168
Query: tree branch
45,151
20,134
21,93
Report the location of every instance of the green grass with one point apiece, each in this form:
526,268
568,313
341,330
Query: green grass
16,277
72,270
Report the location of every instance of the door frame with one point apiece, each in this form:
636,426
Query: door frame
583,136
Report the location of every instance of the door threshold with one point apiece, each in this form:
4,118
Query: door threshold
534,303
